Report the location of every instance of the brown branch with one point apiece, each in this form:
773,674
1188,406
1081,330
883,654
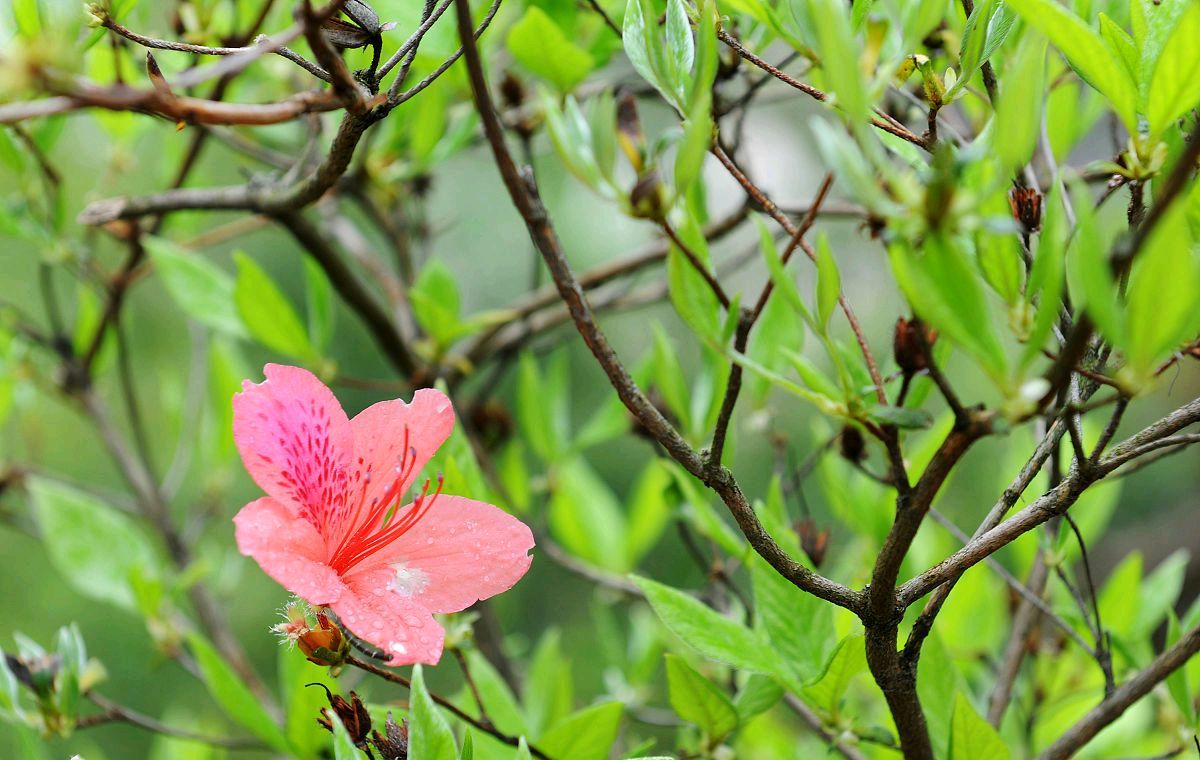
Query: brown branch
696,263
115,713
879,121
1023,622
1115,704
523,192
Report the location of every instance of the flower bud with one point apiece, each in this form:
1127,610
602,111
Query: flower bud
906,345
314,634
1026,204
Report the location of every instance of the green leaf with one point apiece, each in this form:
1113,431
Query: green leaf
681,49
548,690
1046,276
1088,272
204,292
343,745
586,735
1174,87
304,734
498,699
436,304
1177,682
698,700
533,411
947,292
839,50
829,283
1164,287
706,630
586,518
649,509
523,751
798,626
901,417
430,737
1019,107
538,44
971,737
849,659
644,46
319,296
1086,53
96,549
689,291
267,313
1120,43
759,694
232,694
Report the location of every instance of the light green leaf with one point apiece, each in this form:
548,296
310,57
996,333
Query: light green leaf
267,313
548,690
82,534
849,659
650,507
538,44
586,518
698,700
1174,87
204,292
681,48
706,630
1019,107
829,283
319,296
498,699
436,303
232,694
430,737
759,694
690,293
798,626
302,703
1086,53
586,735
972,737
343,745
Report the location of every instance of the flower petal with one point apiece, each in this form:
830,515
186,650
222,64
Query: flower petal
380,439
288,549
296,442
394,622
460,552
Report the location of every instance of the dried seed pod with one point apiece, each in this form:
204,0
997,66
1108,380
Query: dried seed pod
352,713
906,345
394,744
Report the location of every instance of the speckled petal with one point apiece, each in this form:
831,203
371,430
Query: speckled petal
295,441
288,549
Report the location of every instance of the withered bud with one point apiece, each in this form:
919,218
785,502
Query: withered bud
353,715
629,131
851,444
512,90
393,746
814,542
1026,205
906,346
646,196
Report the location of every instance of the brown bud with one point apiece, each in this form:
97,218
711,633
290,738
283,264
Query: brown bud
851,444
512,90
906,346
1026,205
646,197
393,746
814,542
353,715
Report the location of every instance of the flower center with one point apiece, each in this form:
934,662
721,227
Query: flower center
384,521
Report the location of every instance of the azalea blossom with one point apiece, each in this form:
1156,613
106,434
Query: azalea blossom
332,528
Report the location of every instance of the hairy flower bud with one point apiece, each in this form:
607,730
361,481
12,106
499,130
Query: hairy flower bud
314,634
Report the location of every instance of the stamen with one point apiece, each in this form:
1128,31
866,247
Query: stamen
420,507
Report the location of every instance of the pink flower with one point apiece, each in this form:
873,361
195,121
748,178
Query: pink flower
331,529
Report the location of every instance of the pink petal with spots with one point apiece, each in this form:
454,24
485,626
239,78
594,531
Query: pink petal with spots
396,623
460,552
289,550
379,439
295,441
